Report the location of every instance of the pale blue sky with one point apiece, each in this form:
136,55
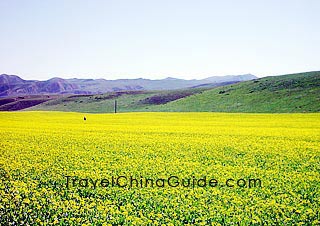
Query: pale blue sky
156,39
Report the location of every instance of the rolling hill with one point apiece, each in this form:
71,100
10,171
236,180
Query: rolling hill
281,94
278,94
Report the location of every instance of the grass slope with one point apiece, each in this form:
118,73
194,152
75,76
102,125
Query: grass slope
286,93
127,101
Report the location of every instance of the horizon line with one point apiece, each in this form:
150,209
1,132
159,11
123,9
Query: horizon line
146,78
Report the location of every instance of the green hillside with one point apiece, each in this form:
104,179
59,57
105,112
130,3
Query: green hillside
127,101
278,94
287,93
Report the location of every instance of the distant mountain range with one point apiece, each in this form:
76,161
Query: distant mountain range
12,85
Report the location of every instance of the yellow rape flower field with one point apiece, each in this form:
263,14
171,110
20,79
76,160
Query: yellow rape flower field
159,169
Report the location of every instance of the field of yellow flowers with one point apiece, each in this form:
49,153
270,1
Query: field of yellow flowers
159,169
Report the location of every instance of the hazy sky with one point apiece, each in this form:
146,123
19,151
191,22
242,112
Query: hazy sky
156,39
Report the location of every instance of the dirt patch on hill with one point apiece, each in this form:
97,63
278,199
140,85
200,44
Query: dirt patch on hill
23,102
165,98
117,94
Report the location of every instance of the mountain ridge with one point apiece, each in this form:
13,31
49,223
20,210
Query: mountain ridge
13,85
289,93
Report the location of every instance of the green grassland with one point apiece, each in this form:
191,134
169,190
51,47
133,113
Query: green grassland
287,93
104,103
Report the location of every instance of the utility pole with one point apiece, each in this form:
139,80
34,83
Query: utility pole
115,106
